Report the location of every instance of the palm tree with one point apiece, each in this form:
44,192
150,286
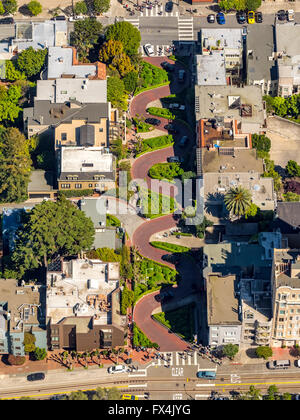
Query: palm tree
238,200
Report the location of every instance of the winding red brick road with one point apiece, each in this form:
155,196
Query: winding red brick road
144,308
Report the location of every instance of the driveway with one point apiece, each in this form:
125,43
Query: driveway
285,140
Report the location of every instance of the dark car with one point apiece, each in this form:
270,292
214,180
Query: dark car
168,66
7,21
171,128
153,121
169,6
36,377
211,18
281,15
241,17
61,17
258,17
183,141
221,18
59,397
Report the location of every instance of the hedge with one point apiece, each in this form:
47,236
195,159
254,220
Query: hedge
156,143
169,247
140,339
76,193
167,171
161,112
112,221
16,360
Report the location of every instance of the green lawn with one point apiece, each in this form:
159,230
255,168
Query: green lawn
167,171
155,205
180,321
112,221
155,143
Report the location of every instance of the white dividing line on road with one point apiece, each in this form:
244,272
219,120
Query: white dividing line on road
202,396
138,386
205,385
140,373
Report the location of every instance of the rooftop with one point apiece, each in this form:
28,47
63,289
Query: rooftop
231,102
222,38
62,62
261,65
22,304
82,288
216,186
289,213
83,160
80,89
95,209
46,113
287,38
241,161
210,70
222,308
41,181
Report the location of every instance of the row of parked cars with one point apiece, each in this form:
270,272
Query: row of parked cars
251,17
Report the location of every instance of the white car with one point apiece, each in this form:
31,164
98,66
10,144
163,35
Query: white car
298,363
149,49
117,369
290,15
72,19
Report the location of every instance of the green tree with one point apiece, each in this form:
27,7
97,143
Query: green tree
35,7
29,342
118,149
253,4
264,352
104,254
85,36
112,53
9,102
290,196
130,81
128,34
2,10
230,350
287,396
238,201
10,6
106,394
80,8
262,144
101,6
292,168
40,354
253,394
270,172
43,235
15,165
31,61
116,92
252,211
127,299
12,73
78,396
273,393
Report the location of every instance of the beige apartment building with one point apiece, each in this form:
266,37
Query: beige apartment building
286,298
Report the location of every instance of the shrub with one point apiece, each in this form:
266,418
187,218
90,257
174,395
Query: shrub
151,75
127,299
161,112
169,247
230,350
140,339
16,360
112,220
76,193
264,352
165,171
34,7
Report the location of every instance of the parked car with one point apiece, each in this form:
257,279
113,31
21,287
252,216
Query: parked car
171,128
60,17
221,18
36,377
176,106
241,17
258,17
281,15
279,364
211,18
164,295
129,397
297,363
168,66
149,50
251,17
290,15
72,19
169,6
207,374
183,141
181,75
152,121
7,21
58,397
296,397
117,369
244,31
174,159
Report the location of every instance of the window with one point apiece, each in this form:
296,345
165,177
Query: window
100,130
65,185
63,136
282,312
78,185
90,185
